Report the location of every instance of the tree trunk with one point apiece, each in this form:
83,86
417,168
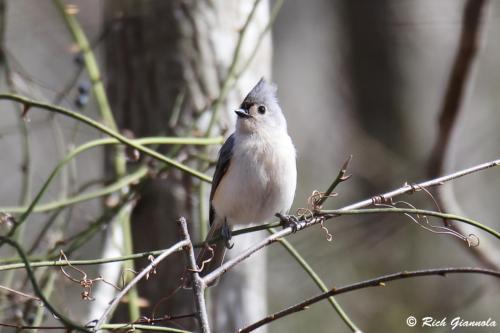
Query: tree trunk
164,57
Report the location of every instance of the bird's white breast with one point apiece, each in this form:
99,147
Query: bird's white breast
260,180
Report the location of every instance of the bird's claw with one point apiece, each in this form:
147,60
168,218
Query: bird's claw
289,221
226,235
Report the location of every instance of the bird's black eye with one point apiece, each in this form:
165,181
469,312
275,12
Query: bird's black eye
261,109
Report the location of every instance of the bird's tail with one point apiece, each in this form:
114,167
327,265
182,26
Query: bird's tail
212,255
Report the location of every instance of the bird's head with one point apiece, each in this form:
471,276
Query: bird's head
260,110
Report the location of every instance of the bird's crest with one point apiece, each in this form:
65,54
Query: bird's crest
262,93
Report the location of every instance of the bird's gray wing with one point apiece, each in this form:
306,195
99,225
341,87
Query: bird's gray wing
225,154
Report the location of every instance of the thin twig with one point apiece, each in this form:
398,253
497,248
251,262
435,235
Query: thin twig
379,281
341,177
174,248
102,142
62,263
120,326
17,292
197,281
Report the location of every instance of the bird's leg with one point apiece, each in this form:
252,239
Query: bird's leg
288,221
226,234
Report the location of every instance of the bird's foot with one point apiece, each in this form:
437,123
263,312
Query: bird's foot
289,221
226,235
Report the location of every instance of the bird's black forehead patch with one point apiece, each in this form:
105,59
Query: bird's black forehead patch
247,104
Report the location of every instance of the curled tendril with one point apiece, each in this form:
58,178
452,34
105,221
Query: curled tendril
329,236
423,222
472,240
304,213
313,206
151,258
84,282
206,261
315,199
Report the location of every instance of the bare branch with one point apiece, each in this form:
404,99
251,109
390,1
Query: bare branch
341,177
31,276
376,282
198,283
137,278
304,223
20,293
453,103
460,74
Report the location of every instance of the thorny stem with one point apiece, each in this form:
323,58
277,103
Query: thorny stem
379,281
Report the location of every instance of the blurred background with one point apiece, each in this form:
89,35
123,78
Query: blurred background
368,79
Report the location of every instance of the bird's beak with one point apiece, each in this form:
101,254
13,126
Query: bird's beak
242,113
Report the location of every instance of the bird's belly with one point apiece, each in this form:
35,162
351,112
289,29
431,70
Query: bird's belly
250,193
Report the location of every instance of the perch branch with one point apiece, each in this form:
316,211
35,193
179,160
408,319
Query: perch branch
207,279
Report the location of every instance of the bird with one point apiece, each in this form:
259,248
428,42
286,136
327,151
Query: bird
255,175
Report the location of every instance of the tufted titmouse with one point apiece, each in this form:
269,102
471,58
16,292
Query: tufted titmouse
255,176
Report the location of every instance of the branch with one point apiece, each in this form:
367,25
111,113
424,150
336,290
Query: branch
341,177
174,248
333,213
379,281
453,103
198,284
123,181
121,326
90,65
38,291
104,129
63,263
57,204
207,279
460,74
